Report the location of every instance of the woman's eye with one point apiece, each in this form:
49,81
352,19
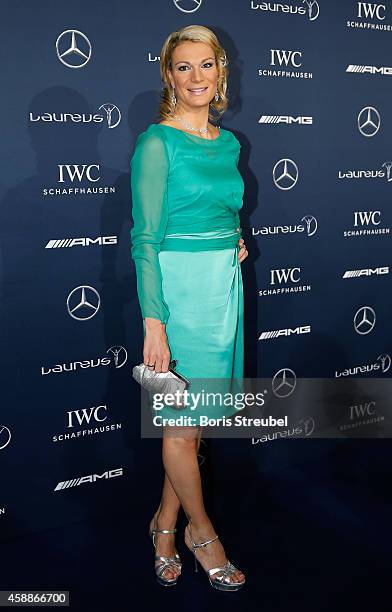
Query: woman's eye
206,64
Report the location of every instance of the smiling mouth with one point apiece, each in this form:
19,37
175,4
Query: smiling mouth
198,90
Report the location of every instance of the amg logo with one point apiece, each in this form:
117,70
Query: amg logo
369,69
75,482
71,242
366,272
286,119
303,329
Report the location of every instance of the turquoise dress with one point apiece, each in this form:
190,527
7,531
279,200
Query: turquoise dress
186,195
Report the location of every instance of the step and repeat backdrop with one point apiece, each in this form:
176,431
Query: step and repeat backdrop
310,101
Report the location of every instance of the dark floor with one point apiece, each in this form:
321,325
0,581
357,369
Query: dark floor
305,543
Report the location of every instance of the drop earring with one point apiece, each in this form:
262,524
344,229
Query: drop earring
216,96
173,98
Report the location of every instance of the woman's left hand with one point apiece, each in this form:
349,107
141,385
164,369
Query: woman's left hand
242,253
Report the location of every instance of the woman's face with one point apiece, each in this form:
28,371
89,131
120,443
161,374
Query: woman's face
194,74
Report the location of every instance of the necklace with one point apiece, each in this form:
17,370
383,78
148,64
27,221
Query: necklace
190,127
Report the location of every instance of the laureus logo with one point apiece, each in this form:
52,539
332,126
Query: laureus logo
119,354
5,436
313,9
385,362
307,226
110,115
382,363
113,114
308,8
117,358
384,173
187,6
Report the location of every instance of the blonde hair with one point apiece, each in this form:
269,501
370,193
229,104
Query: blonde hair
194,33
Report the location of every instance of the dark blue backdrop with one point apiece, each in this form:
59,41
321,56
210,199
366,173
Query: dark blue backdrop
69,124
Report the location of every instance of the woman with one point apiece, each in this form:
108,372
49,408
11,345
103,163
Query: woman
187,247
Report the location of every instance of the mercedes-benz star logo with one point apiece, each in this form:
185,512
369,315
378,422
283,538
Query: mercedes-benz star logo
73,49
283,383
369,121
187,6
113,114
285,174
364,320
83,302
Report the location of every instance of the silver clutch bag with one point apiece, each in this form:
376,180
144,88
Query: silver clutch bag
161,382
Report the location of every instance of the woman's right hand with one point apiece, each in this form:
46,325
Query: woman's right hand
156,352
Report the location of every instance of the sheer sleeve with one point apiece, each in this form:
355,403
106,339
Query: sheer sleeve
237,216
149,172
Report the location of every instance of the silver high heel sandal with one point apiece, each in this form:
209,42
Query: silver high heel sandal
221,582
166,562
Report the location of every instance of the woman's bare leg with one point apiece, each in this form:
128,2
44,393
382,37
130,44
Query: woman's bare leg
179,454
167,518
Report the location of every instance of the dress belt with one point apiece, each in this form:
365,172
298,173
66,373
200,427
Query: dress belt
174,242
